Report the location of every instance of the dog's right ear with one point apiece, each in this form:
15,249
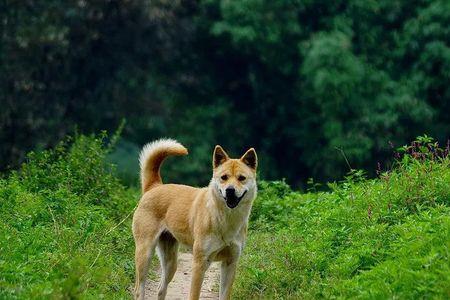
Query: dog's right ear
219,156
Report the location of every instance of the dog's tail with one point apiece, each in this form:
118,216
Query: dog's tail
151,158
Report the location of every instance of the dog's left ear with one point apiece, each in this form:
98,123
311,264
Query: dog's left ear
250,158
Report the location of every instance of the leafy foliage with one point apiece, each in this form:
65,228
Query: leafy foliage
381,238
61,225
65,230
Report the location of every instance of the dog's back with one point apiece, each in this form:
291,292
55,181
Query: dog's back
172,203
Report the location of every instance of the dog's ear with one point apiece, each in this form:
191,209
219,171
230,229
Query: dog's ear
219,156
250,158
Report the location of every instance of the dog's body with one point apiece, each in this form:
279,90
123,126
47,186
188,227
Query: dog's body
212,221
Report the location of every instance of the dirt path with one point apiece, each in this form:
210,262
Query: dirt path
179,287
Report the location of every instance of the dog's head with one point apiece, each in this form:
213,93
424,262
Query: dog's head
234,180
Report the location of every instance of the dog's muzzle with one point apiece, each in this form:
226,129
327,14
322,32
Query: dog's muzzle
231,199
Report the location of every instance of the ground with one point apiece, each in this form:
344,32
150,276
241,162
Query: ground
179,286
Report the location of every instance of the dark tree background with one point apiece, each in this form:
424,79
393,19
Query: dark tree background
298,80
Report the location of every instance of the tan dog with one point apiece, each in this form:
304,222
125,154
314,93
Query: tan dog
211,220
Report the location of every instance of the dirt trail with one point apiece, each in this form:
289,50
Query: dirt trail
179,287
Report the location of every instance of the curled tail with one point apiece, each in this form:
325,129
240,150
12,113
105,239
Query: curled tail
151,158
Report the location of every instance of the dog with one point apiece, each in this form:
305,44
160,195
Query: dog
212,221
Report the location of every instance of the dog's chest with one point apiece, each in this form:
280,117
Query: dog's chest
231,224
229,230
217,249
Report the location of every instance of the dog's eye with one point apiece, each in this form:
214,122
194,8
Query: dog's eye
241,178
224,177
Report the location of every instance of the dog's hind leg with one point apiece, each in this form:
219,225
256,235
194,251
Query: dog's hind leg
167,250
145,238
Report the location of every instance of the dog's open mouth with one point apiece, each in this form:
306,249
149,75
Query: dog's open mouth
232,200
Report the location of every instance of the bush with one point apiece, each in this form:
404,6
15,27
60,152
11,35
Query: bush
61,225
65,231
382,238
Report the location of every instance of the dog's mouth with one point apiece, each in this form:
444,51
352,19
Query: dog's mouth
232,200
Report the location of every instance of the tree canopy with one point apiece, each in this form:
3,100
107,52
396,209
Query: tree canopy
301,81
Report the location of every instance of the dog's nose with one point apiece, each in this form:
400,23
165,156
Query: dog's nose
230,190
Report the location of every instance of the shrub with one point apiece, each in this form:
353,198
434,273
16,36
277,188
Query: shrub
61,225
381,238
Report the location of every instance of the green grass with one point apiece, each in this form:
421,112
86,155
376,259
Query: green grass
62,235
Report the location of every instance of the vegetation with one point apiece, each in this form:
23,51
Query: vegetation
61,226
295,79
65,228
317,87
386,238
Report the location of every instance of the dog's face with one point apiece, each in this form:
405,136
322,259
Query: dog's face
234,179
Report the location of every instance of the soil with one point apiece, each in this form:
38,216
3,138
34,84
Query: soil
179,287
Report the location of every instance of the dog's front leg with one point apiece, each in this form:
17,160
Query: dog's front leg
227,273
200,264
